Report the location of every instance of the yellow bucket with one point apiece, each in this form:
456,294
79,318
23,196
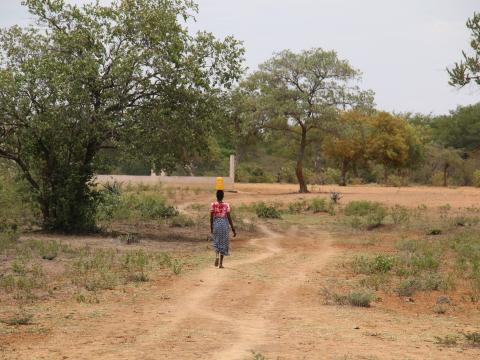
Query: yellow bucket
219,184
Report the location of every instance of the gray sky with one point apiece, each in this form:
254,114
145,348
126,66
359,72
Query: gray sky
402,47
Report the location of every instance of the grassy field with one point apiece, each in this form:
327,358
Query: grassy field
404,251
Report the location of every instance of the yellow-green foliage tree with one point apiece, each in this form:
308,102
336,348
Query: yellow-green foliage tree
347,144
392,142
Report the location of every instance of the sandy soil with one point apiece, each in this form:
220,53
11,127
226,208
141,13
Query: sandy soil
267,300
407,196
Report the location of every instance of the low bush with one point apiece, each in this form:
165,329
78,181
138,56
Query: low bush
155,208
318,205
267,211
397,181
116,206
360,298
476,178
297,207
408,287
376,281
365,213
379,264
360,207
331,176
399,214
8,240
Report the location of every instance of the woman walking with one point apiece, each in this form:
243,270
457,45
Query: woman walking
220,229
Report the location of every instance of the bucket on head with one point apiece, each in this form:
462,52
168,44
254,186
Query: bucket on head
219,184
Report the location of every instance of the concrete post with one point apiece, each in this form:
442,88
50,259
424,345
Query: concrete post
232,168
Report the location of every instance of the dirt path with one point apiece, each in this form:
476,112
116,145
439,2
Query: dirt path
266,302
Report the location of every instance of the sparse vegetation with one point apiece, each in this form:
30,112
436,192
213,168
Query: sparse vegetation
447,340
267,211
365,213
358,298
181,220
18,319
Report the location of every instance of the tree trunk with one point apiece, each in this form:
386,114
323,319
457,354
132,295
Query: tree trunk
299,167
355,169
385,174
445,175
343,174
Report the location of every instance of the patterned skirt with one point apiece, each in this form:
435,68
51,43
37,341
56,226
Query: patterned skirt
221,232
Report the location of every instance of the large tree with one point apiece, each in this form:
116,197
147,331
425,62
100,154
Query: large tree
128,75
299,94
347,145
392,142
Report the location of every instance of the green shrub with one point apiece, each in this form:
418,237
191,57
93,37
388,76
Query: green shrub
154,208
371,214
476,178
267,211
437,179
318,205
297,207
375,281
177,266
400,214
397,181
8,240
408,287
379,264
331,176
434,281
360,207
253,174
376,216
356,181
136,264
360,298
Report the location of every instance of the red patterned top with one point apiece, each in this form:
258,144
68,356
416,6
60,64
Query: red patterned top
220,209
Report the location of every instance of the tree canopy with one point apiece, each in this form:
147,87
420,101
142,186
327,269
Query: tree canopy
128,75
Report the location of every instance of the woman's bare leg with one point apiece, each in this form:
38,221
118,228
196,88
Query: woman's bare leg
221,262
216,258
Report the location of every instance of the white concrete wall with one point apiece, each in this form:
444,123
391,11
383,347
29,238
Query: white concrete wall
229,181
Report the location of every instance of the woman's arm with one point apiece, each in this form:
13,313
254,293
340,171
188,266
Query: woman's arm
211,222
231,224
